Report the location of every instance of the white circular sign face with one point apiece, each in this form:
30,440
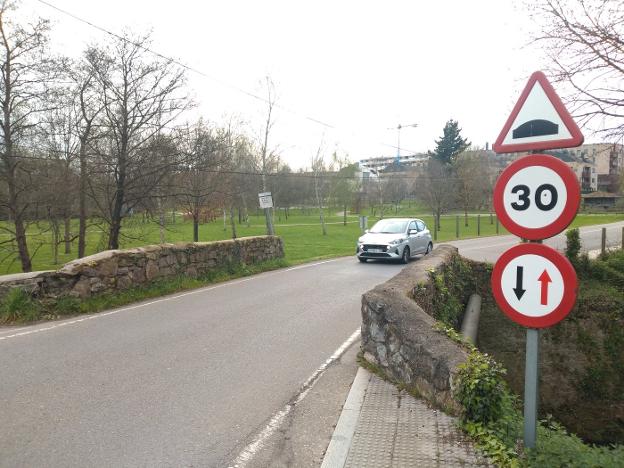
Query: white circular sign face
535,197
532,285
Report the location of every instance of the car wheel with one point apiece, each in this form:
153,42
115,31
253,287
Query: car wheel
363,260
429,248
406,255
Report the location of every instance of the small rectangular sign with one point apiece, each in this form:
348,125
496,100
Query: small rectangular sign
265,199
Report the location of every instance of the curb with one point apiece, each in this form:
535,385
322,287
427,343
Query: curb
338,449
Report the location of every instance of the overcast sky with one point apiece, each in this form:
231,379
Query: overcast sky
361,67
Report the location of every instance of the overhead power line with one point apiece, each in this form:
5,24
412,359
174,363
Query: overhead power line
201,73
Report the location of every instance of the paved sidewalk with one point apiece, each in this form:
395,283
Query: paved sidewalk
381,426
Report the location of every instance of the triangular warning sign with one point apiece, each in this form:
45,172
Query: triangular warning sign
538,121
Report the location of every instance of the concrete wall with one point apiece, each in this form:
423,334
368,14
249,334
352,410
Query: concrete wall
398,335
114,270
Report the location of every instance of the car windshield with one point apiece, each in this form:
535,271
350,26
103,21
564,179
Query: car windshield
389,226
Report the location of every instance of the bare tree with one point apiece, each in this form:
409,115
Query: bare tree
584,40
27,71
472,180
200,181
89,107
344,184
436,187
319,170
265,155
140,96
61,144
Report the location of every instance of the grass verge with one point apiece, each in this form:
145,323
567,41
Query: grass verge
19,307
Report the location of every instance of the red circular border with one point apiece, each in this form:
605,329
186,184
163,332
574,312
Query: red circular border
569,211
570,285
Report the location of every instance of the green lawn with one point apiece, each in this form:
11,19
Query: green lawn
303,239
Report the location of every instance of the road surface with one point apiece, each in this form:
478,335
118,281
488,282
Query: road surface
191,379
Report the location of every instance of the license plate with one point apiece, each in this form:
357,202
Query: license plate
375,250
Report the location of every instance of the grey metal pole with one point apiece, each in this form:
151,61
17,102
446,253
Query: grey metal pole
531,387
457,227
478,225
603,241
496,224
269,222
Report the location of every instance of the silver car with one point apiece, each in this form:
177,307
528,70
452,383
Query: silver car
395,239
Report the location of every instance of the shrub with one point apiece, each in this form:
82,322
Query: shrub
19,306
481,388
67,305
573,245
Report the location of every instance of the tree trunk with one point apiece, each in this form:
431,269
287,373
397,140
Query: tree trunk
113,234
82,202
195,227
55,241
67,235
117,214
319,201
20,230
232,223
161,221
465,216
344,214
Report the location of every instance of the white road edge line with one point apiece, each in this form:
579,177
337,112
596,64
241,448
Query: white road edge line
164,299
275,422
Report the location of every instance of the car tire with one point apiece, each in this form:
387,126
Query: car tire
405,258
429,248
363,260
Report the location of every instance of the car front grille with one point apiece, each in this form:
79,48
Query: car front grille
367,247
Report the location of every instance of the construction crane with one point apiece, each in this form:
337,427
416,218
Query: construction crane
398,129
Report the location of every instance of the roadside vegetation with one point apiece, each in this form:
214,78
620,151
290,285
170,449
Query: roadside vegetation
582,372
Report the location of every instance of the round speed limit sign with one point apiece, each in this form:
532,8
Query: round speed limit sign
536,197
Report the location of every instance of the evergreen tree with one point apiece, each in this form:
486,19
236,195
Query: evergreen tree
450,144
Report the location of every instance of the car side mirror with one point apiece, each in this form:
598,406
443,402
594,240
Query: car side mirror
413,231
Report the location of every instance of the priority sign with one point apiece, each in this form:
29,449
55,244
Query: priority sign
534,285
536,197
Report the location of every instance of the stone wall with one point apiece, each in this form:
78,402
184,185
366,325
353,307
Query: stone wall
114,270
399,337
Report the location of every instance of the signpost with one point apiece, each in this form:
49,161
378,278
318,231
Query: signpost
536,197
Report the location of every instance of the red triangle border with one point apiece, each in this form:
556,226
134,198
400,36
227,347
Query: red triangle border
577,138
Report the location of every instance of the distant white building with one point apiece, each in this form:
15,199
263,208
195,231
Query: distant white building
381,163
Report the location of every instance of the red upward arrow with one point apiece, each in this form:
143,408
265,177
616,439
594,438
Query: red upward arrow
544,279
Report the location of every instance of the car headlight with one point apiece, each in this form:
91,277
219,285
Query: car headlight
396,241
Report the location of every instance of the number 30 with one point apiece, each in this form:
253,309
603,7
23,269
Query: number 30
524,201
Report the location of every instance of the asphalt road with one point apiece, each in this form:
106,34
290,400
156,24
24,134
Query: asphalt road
490,248
187,380
190,379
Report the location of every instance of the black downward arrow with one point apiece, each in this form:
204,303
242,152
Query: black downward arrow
519,290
